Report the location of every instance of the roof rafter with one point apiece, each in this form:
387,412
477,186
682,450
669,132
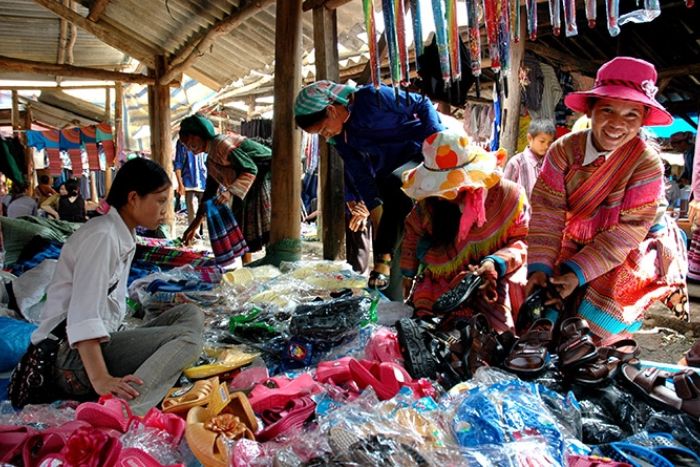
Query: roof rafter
107,34
186,57
97,9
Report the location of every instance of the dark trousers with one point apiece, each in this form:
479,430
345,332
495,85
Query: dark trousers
396,207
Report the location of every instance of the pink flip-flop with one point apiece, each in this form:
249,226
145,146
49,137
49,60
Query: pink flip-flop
113,413
293,415
277,391
133,457
49,441
168,422
382,379
338,371
12,439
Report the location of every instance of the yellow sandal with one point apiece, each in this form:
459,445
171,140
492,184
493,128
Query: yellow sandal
184,398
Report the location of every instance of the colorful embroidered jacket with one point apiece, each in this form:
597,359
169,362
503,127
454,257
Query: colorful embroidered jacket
232,162
590,218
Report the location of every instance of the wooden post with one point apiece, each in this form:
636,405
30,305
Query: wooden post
108,104
161,146
330,166
118,129
286,157
511,104
28,153
15,111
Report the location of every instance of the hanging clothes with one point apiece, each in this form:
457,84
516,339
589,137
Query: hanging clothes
12,162
531,96
551,94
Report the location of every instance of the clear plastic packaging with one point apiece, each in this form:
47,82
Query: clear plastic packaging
156,442
39,416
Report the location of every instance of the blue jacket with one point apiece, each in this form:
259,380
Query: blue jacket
382,134
192,166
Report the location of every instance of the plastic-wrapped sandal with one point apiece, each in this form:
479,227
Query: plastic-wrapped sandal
182,399
112,413
378,281
652,383
575,344
635,455
418,359
529,355
207,436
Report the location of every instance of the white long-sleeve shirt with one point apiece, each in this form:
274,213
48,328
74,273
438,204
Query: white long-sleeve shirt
90,282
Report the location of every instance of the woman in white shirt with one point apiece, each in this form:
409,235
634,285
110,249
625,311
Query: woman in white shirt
88,296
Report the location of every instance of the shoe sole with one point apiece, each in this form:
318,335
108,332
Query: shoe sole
417,359
457,296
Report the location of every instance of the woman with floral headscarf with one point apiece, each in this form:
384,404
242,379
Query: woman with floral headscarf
467,219
598,231
377,133
238,173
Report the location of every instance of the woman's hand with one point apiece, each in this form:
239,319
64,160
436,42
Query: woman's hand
224,197
489,277
119,387
188,235
693,212
359,213
536,279
565,284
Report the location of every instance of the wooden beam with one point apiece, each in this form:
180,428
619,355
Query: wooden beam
584,66
327,4
107,34
29,66
98,7
330,168
55,88
680,70
286,169
185,58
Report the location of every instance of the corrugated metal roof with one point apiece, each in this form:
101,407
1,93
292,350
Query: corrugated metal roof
30,31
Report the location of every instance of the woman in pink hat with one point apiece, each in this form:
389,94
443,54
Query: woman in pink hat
598,231
467,219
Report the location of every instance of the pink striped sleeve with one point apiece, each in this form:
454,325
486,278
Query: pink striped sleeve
696,166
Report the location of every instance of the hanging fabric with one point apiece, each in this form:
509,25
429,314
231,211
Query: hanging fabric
88,136
612,8
453,39
51,139
531,7
570,17
391,41
651,10
491,21
515,12
69,141
555,16
441,37
405,69
104,137
371,27
591,12
504,33
417,29
474,39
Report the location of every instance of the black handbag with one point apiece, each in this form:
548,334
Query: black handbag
32,380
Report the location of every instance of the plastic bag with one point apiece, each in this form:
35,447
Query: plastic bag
14,340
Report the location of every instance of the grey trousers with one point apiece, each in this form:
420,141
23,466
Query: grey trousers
155,352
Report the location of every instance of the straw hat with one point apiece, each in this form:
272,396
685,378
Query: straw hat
625,78
450,165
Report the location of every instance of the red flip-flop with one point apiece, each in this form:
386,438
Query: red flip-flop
336,370
167,422
276,392
133,457
113,413
12,439
293,415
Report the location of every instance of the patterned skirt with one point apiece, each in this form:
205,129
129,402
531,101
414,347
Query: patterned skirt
614,303
255,211
694,257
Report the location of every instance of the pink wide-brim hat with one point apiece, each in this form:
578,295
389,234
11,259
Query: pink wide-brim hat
628,79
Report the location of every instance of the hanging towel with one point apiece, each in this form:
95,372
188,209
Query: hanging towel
104,137
69,140
88,136
51,140
226,238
